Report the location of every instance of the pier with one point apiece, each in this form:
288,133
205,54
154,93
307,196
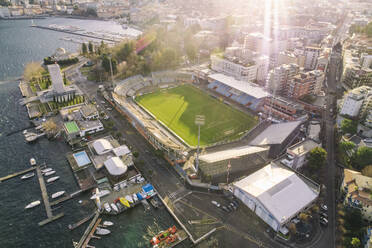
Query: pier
44,194
2,179
89,232
75,33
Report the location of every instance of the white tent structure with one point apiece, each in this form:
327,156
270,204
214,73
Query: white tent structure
115,166
275,194
102,146
121,150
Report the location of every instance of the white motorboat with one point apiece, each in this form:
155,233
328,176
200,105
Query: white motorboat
46,170
52,179
102,231
33,204
107,207
114,207
129,198
108,223
100,194
135,198
58,194
28,175
32,161
49,173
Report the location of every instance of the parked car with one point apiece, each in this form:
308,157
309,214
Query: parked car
216,204
323,207
324,215
323,221
224,208
233,206
236,203
230,207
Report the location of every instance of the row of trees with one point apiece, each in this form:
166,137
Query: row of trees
352,227
353,157
362,29
64,62
159,49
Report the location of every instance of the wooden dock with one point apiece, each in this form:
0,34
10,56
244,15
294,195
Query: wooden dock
63,199
47,205
92,226
91,233
44,192
80,222
2,179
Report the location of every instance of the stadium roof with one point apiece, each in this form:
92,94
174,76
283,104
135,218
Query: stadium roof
102,146
231,153
243,86
56,77
281,191
115,166
275,133
71,127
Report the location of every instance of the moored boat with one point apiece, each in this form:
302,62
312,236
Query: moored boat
166,235
33,204
46,170
99,194
129,198
124,202
28,175
52,179
102,231
114,207
135,198
49,173
108,223
58,194
107,207
32,161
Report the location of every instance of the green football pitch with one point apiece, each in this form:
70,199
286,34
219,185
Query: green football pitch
177,107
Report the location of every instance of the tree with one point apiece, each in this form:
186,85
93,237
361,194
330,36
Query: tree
355,242
316,158
84,48
32,70
349,126
106,64
346,149
90,47
64,79
367,171
191,51
362,157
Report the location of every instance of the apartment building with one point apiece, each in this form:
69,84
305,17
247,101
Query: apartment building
234,67
356,102
311,57
305,83
279,77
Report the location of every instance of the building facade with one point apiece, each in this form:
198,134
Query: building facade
235,68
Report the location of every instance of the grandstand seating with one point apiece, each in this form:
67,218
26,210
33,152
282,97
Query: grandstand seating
243,99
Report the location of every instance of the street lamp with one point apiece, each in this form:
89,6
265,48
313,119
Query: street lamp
199,121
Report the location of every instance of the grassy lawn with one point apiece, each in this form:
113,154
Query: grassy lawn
178,106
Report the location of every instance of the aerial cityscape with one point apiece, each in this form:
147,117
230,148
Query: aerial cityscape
198,123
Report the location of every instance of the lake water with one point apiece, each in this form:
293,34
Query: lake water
20,44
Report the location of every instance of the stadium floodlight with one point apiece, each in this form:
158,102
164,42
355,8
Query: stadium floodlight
199,121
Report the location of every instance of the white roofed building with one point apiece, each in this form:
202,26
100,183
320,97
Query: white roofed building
115,166
276,194
102,146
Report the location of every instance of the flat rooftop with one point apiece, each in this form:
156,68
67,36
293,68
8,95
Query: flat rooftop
303,147
281,191
71,127
243,86
275,133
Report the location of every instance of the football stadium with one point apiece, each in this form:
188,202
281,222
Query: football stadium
163,109
177,107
